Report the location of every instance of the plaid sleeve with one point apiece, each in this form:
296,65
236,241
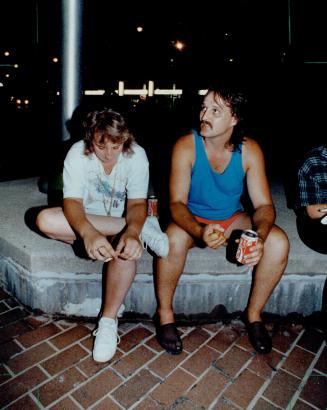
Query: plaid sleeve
307,181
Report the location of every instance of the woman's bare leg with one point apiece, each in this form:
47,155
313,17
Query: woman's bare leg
119,278
53,223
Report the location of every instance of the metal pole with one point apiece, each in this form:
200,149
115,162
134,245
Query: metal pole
71,63
289,23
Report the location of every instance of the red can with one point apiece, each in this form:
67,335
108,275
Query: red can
247,240
152,206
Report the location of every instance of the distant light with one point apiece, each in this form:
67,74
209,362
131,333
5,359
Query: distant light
226,34
16,65
55,59
7,53
179,45
231,60
173,91
1,84
136,91
203,92
26,102
94,92
121,88
139,29
7,75
18,101
150,88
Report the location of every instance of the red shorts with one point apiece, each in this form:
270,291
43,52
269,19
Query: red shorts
225,223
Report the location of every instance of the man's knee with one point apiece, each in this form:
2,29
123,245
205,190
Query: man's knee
277,245
179,241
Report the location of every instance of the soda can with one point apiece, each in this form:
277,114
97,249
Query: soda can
152,206
247,240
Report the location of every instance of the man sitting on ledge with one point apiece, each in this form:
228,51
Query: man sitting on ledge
105,177
311,206
206,183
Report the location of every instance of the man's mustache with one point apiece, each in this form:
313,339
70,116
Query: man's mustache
206,123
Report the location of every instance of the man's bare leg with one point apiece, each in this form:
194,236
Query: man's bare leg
266,276
169,270
268,272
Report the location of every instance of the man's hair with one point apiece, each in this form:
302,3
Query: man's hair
109,124
235,98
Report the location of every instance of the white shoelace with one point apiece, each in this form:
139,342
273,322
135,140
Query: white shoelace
106,329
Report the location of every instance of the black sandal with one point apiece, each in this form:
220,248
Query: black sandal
168,337
259,337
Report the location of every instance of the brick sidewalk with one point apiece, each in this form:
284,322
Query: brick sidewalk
47,363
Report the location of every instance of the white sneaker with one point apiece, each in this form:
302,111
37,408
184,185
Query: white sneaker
106,339
153,237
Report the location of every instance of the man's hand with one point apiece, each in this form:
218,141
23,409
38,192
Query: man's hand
98,247
256,252
213,236
129,247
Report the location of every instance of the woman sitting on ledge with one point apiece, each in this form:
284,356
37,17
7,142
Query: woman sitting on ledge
105,189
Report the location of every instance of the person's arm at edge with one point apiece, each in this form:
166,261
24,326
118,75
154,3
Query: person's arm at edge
307,183
258,188
315,211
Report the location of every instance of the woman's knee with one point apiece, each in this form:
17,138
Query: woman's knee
45,221
42,220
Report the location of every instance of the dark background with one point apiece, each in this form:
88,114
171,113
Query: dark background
277,48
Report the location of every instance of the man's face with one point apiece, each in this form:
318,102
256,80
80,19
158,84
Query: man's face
215,116
106,150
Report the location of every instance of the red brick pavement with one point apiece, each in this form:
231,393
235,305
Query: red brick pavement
46,363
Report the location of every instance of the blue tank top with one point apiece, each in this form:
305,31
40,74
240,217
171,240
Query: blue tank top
215,195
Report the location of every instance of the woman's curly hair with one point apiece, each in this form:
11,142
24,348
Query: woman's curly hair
109,124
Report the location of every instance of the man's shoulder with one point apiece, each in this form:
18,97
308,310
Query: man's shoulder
183,151
251,147
186,140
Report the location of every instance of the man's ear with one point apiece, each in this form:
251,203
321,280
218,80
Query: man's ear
234,120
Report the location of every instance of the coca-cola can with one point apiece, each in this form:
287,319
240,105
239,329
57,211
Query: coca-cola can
152,206
248,239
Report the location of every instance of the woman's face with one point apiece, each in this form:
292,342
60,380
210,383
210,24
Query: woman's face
106,150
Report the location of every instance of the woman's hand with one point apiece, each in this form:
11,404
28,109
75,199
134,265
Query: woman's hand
98,247
129,247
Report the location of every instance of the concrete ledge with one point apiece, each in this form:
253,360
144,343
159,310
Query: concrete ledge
45,274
